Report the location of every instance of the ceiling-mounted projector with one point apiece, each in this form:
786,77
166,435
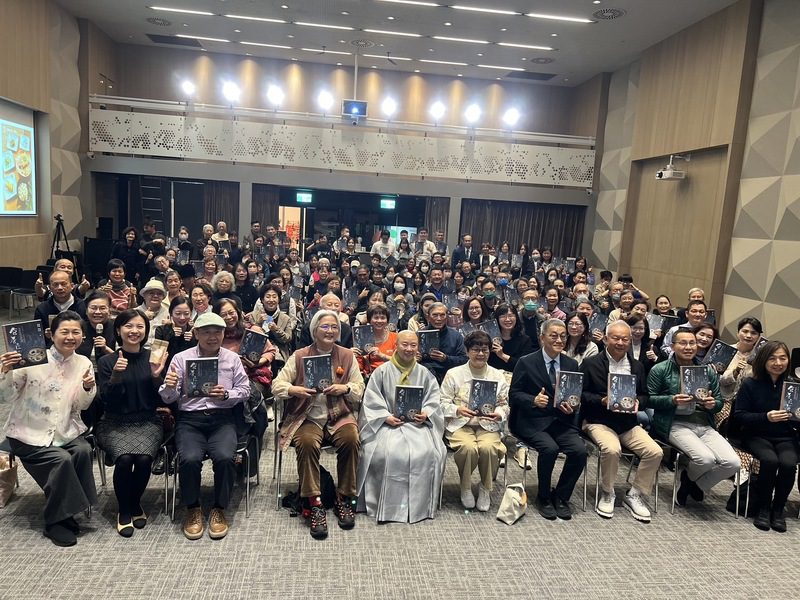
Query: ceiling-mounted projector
670,173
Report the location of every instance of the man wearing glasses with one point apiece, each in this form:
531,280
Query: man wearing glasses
537,423
450,351
688,423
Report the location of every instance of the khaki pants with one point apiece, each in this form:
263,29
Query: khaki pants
474,446
308,440
637,441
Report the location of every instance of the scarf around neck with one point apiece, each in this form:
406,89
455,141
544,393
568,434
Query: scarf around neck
405,369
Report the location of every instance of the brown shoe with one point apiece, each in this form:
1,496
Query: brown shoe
217,525
193,524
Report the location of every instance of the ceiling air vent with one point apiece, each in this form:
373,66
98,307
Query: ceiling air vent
543,60
158,21
362,43
173,41
607,14
530,76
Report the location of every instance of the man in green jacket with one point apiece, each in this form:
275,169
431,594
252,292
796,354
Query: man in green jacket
687,422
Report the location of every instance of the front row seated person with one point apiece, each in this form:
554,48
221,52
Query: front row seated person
402,459
769,434
688,424
312,417
475,437
205,425
611,430
536,422
44,425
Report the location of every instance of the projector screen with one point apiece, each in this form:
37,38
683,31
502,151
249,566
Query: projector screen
19,161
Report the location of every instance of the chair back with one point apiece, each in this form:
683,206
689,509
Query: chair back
28,280
10,276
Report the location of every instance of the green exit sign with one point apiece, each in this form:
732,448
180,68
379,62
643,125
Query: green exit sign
304,197
388,203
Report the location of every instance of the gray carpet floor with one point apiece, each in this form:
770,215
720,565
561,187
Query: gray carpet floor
701,551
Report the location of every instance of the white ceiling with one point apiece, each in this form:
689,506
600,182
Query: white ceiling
581,50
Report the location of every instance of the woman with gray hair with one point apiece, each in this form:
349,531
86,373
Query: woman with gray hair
324,413
224,285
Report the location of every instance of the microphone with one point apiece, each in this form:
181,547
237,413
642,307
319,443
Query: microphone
99,328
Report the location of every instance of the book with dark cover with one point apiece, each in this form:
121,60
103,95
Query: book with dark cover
224,245
670,321
391,261
492,329
172,242
201,376
655,321
350,297
719,355
394,317
408,402
516,261
252,345
428,340
450,301
503,257
364,337
183,257
298,281
761,341
466,328
598,322
569,264
441,247
449,286
340,245
568,390
310,312
295,293
305,270
540,279
694,382
483,396
419,247
221,260
198,268
790,399
318,371
621,392
27,338
512,296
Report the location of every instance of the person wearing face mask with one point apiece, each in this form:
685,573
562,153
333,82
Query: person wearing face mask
184,243
531,316
535,261
489,293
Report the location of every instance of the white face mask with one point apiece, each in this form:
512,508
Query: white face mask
183,236
399,287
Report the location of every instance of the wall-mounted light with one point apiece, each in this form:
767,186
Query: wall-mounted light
437,110
275,95
389,107
473,113
231,91
188,88
325,100
511,116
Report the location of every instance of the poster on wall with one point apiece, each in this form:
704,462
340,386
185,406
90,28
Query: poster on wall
19,169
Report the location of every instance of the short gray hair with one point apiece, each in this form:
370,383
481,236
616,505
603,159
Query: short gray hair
318,316
618,323
549,324
219,277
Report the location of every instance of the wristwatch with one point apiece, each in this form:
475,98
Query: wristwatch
226,396
347,393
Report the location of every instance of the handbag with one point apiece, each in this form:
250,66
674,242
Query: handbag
514,504
8,478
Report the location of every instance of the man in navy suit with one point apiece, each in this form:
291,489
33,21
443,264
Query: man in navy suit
464,252
536,422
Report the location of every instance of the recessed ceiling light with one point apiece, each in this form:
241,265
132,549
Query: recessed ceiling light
322,25
185,24
197,37
523,58
324,51
553,35
559,18
344,12
284,6
480,53
528,46
443,62
183,10
293,58
390,18
498,78
495,11
414,2
237,31
338,64
382,56
502,68
504,29
373,66
400,33
596,2
460,74
342,42
430,49
447,23
416,70
566,78
248,18
455,39
248,54
266,45
289,35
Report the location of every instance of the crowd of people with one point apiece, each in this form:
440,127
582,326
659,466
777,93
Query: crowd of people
412,316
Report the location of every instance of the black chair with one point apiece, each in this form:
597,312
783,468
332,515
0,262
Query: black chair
26,289
10,278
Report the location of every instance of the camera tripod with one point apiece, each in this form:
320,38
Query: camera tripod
59,236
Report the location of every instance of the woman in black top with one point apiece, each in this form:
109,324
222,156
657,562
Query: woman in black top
98,328
515,343
245,288
128,252
130,431
178,332
768,434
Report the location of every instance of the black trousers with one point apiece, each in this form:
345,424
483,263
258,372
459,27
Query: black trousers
63,472
778,460
197,436
558,437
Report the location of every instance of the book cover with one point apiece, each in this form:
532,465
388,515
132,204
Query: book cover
655,321
441,247
669,322
503,257
27,338
408,402
294,293
598,322
201,376
492,329
449,286
761,341
568,390
172,242
158,350
364,338
465,328
318,371
298,281
394,317
418,247
198,268
569,264
252,345
310,312
350,297
305,270
694,382
428,340
183,257
450,301
512,296
621,392
516,261
483,397
391,261
340,245
221,260
790,399
224,245
719,355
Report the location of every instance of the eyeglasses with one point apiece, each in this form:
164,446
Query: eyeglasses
479,349
554,337
686,343
329,327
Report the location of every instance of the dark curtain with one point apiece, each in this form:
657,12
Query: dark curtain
537,225
221,203
266,199
437,210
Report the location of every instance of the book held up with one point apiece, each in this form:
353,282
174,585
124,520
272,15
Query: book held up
483,397
201,376
318,371
252,345
428,341
568,390
27,338
408,402
621,394
790,399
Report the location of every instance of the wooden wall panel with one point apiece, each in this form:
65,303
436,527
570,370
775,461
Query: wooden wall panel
25,53
689,84
26,251
587,107
672,228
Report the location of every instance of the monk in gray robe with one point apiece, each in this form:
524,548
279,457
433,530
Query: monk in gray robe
400,469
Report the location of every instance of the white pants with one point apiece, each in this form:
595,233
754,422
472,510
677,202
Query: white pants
712,459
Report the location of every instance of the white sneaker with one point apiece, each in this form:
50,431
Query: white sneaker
484,499
467,499
270,414
605,506
636,506
522,459
502,461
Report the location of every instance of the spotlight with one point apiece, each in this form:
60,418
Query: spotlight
389,107
275,95
188,88
437,110
325,100
231,91
473,113
511,116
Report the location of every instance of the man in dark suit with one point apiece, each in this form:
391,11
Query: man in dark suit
611,430
464,252
537,423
